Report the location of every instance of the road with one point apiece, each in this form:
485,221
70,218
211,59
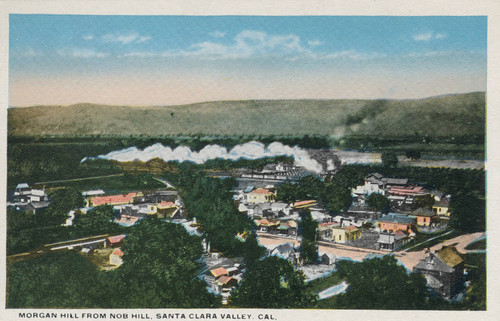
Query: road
408,259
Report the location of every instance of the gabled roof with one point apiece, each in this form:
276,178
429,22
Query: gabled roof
118,252
304,203
164,204
351,228
113,199
223,280
22,185
261,191
450,256
396,181
433,263
219,272
283,248
396,218
249,188
444,202
422,212
116,239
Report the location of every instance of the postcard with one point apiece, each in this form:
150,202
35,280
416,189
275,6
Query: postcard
244,162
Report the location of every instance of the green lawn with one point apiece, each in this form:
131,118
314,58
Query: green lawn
320,284
115,184
421,237
479,245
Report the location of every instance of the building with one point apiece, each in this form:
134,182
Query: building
396,222
442,207
260,195
364,212
116,240
115,258
286,251
424,217
111,200
344,234
392,241
289,227
443,270
327,259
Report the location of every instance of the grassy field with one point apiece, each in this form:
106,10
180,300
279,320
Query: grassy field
445,116
115,184
479,245
421,237
320,284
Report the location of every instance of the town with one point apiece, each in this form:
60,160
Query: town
378,216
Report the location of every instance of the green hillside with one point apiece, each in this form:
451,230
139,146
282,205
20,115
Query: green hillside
445,116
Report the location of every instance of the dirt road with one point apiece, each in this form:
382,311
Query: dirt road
409,259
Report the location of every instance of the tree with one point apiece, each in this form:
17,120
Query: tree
273,283
413,153
287,192
53,280
467,212
310,187
381,283
161,262
389,159
308,230
97,220
425,201
66,199
379,202
338,198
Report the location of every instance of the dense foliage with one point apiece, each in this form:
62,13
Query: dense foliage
379,202
272,283
54,280
160,269
209,200
308,230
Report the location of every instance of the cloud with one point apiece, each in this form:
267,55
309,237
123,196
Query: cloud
314,43
217,34
30,52
81,53
249,150
88,37
133,37
429,36
252,44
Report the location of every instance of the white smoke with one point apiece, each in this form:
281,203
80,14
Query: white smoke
249,150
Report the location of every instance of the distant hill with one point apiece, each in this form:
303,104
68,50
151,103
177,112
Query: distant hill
451,115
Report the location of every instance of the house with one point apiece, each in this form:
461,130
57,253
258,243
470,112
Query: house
168,210
286,251
260,195
115,258
111,200
281,209
442,207
364,212
24,194
156,197
327,259
392,240
266,225
443,270
262,210
114,241
289,227
344,234
396,222
424,217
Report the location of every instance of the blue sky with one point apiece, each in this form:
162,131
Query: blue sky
162,60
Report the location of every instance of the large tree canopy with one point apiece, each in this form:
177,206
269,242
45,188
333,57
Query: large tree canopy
379,202
272,283
161,261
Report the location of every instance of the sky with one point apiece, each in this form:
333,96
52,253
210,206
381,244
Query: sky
170,60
